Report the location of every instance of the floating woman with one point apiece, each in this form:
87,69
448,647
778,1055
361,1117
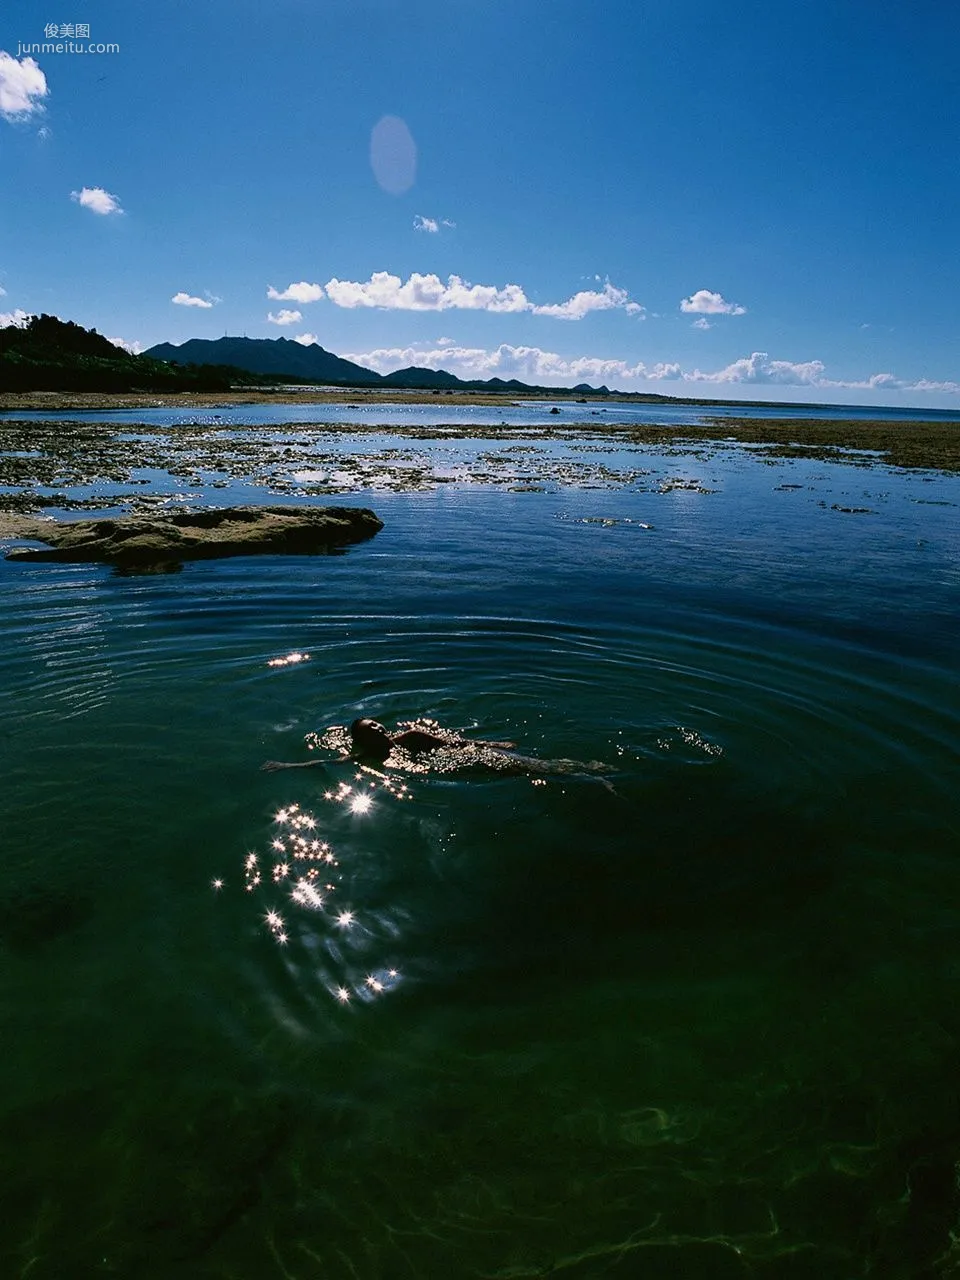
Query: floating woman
447,752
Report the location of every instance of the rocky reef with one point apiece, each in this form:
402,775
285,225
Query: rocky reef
161,542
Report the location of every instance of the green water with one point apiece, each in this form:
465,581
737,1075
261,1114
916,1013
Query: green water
703,1025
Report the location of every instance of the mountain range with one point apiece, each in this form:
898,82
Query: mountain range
313,363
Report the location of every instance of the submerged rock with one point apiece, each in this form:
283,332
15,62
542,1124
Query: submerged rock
147,543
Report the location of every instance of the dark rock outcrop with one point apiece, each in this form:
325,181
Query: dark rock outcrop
151,543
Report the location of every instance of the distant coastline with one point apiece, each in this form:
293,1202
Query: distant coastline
65,401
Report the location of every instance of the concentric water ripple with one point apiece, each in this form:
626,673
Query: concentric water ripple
515,1019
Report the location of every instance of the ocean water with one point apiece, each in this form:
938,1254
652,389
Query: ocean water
693,1016
521,413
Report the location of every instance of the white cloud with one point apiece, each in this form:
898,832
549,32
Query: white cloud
703,302
430,293
17,318
22,85
134,348
285,317
580,304
535,365
97,200
890,382
300,292
924,384
702,323
43,133
307,339
433,225
3,292
187,300
759,368
425,293
530,364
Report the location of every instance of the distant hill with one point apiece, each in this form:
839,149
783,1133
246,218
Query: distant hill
50,354
268,356
413,376
282,357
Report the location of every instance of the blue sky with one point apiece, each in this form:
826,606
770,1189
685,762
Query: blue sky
732,199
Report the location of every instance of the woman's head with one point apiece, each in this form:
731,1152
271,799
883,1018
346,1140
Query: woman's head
370,739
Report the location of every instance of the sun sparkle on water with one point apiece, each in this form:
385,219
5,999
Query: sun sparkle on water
290,868
289,660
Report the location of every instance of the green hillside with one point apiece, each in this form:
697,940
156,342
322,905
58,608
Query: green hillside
49,354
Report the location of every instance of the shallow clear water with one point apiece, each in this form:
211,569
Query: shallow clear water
703,1024
514,414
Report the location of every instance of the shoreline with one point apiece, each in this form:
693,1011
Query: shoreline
65,401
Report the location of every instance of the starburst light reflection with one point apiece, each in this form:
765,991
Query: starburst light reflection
302,864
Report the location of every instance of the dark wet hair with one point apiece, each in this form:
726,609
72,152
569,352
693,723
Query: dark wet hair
371,739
